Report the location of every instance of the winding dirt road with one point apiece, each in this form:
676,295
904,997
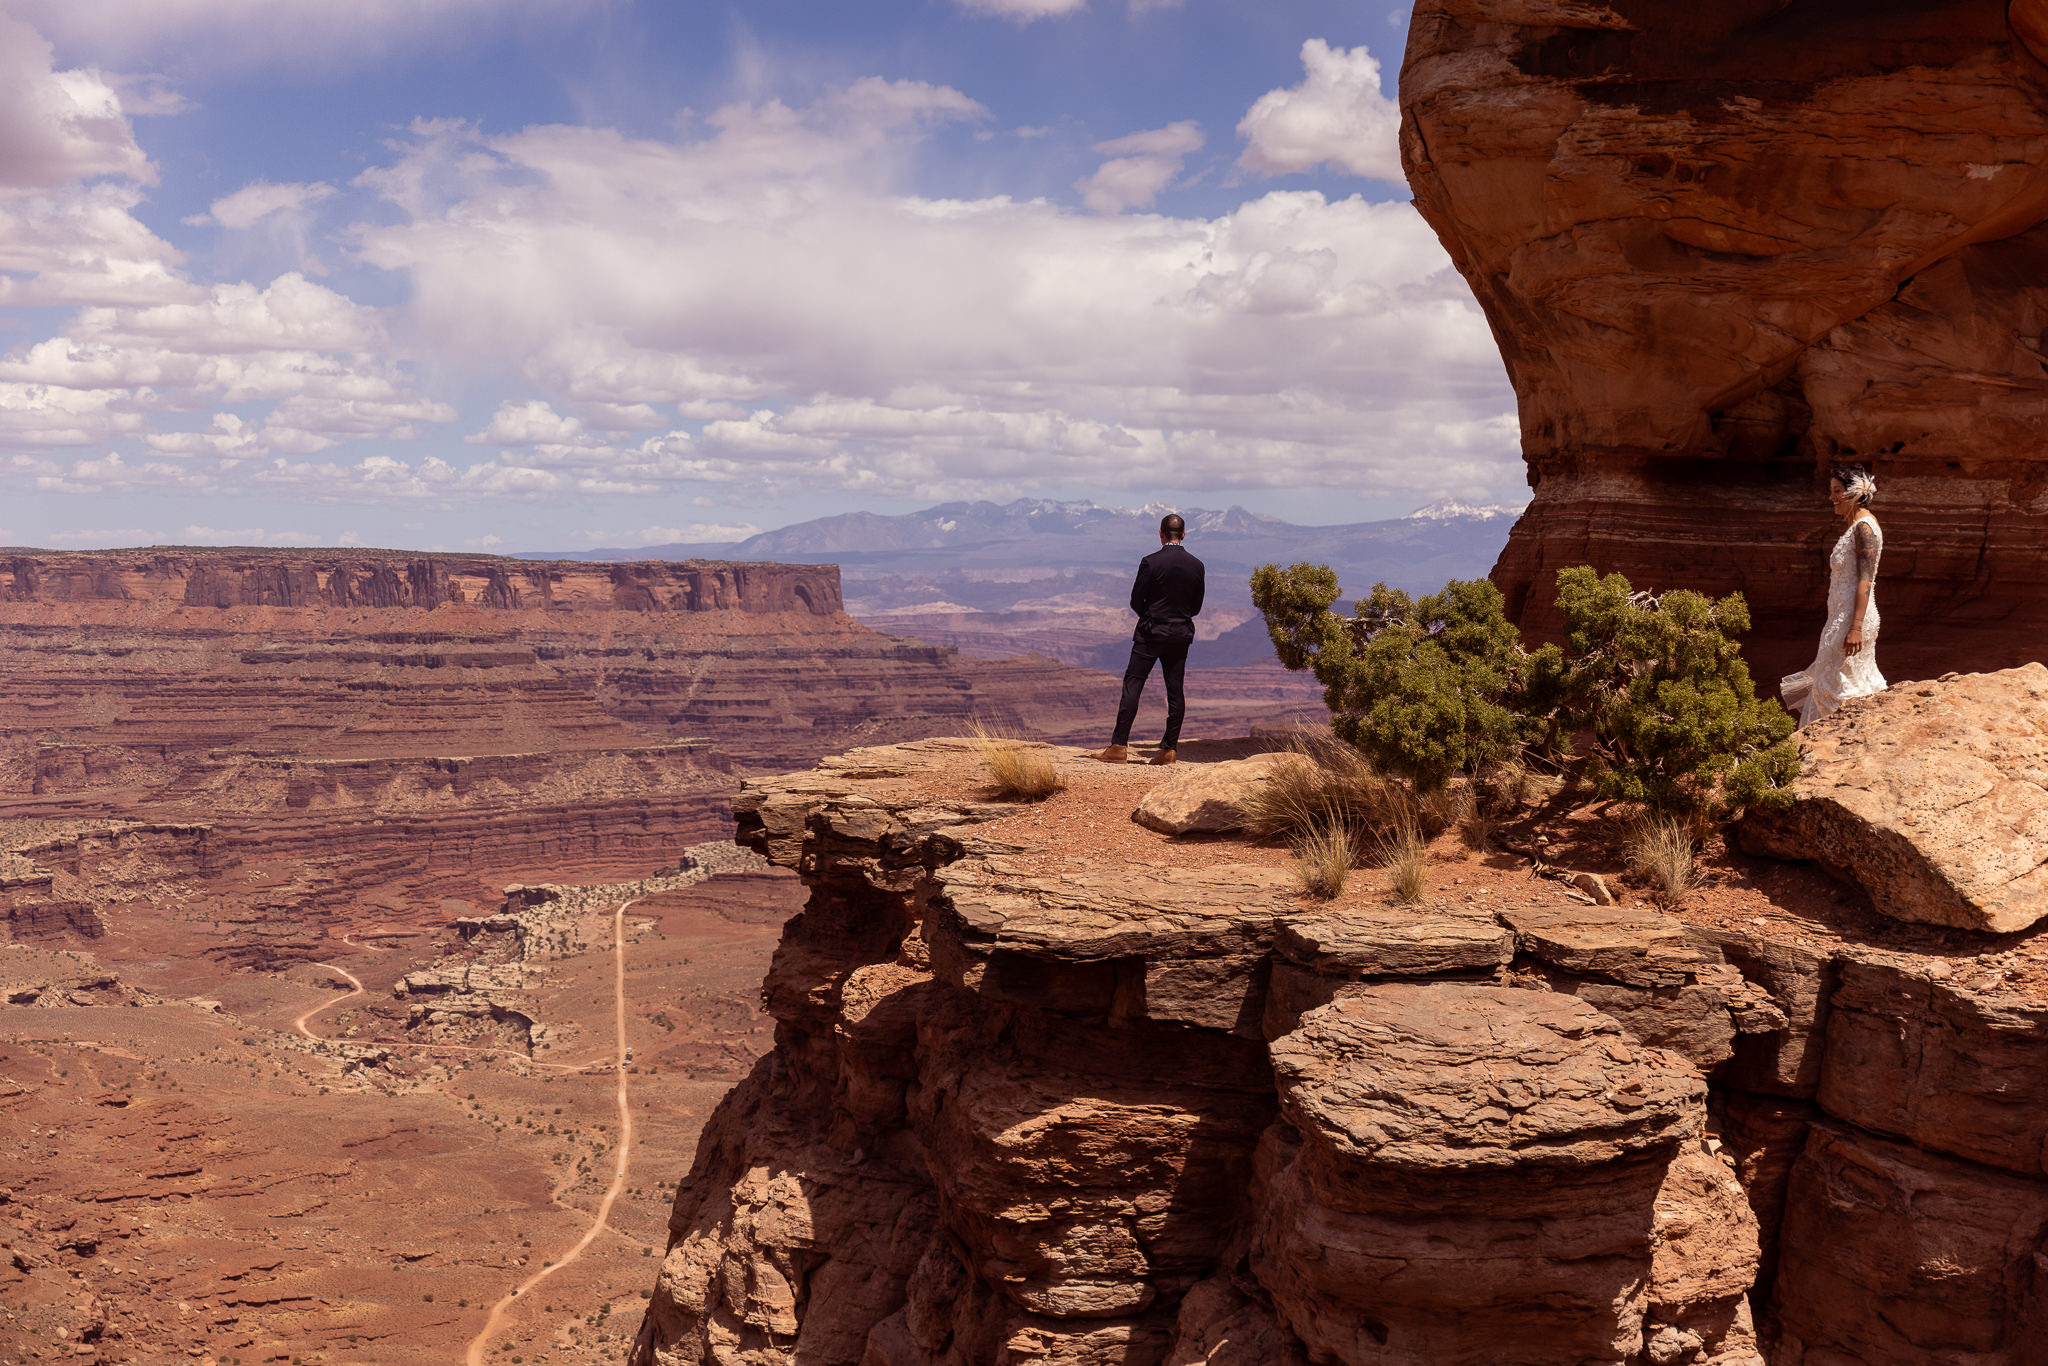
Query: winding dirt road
482,1340
354,981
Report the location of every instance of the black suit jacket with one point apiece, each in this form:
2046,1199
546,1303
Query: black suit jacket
1167,596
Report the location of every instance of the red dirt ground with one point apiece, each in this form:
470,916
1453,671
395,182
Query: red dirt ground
199,1182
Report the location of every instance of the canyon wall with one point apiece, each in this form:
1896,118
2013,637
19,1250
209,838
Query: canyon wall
1724,244
1039,1097
387,579
348,725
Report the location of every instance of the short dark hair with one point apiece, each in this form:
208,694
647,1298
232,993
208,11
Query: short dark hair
1172,527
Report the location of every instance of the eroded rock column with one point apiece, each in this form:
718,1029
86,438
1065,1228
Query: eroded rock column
1483,1175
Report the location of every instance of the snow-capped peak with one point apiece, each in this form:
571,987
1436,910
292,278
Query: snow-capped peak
1444,509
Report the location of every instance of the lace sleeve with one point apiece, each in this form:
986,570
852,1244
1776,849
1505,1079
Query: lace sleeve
1869,546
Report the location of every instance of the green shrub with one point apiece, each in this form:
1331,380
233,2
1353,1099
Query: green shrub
1432,687
1425,688
1659,680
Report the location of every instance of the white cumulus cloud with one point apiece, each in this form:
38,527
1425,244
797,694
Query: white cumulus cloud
71,174
220,34
58,126
758,306
532,423
258,200
1140,166
318,357
1023,11
940,347
1335,117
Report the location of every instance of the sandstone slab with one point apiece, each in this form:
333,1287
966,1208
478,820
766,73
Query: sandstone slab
1617,943
1455,1078
1933,797
1379,941
1691,1021
1474,1174
1163,943
1207,799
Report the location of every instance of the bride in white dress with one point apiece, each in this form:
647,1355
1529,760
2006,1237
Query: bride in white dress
1846,666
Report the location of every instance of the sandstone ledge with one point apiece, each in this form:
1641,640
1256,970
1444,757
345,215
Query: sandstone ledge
1031,1102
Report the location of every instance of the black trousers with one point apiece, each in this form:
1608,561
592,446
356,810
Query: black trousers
1172,656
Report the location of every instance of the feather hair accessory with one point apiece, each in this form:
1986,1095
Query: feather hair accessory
1857,483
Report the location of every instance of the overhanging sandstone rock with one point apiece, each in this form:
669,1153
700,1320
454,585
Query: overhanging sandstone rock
1722,243
1933,797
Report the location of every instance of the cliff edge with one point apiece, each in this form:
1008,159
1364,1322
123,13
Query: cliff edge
1049,1087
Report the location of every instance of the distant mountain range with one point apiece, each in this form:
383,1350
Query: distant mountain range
1419,552
1054,577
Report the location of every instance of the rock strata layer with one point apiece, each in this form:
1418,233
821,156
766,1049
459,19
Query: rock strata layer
350,720
1723,244
302,578
1029,1105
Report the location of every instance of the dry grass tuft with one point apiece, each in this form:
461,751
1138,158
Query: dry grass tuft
1477,830
1504,788
1405,854
1323,859
1338,787
1022,770
1662,851
1436,812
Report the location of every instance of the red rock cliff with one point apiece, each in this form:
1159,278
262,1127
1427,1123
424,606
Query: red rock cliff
1724,243
313,578
436,724
1033,1103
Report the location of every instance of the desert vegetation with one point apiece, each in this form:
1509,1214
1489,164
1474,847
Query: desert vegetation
1663,854
1442,719
1021,770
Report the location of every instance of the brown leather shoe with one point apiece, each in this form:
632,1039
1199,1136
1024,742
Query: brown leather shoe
1115,754
1166,756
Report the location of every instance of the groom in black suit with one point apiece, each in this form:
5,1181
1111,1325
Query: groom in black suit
1167,597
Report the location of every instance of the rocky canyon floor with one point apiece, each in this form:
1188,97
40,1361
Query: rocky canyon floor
286,1072
267,1166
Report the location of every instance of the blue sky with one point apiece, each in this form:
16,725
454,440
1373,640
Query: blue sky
530,274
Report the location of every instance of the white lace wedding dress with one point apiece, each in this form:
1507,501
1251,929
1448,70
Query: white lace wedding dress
1834,676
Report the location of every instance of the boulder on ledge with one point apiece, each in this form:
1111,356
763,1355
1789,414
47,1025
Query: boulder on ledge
1208,799
1933,797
